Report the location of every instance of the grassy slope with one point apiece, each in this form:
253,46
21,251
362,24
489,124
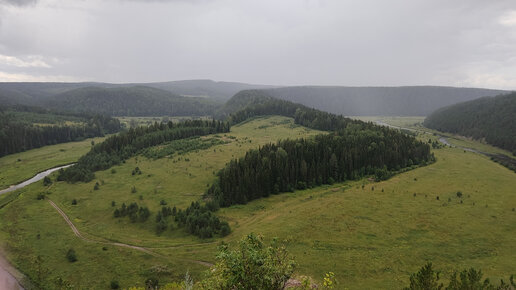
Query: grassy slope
369,238
179,182
375,239
39,159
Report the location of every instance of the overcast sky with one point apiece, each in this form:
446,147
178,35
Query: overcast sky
468,43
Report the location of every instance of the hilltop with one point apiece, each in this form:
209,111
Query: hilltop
490,118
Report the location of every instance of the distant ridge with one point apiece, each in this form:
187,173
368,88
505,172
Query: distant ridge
33,91
378,101
222,91
130,101
349,101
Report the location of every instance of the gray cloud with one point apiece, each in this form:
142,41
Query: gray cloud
18,2
460,43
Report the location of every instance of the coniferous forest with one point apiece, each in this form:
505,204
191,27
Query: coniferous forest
118,148
352,150
490,118
23,127
325,159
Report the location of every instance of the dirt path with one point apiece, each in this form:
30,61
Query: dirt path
9,276
141,249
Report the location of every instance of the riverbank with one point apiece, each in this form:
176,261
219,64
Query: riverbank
36,178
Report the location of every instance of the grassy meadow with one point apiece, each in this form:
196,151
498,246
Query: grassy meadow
18,167
371,234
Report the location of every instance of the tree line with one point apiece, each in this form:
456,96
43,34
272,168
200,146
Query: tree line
324,159
490,119
353,149
19,130
118,148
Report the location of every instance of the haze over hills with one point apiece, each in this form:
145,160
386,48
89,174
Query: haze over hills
130,101
359,101
30,93
222,91
379,101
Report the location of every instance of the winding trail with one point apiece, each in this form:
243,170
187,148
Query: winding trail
80,236
138,248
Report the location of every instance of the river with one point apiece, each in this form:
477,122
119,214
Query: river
8,274
36,178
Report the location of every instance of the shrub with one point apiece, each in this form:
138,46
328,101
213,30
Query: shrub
47,181
71,255
74,201
253,265
114,284
97,186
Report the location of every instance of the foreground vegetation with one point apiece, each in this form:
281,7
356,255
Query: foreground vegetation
348,228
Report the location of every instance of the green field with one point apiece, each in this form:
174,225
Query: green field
372,235
18,167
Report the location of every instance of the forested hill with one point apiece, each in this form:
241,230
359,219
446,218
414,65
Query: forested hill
242,100
490,118
379,101
352,150
222,91
23,127
131,101
34,93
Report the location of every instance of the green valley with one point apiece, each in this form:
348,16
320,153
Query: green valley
348,228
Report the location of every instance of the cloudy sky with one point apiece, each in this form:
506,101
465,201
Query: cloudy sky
284,42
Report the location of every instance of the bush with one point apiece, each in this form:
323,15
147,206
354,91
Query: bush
97,186
74,201
71,255
114,284
40,196
224,229
47,181
136,171
253,265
